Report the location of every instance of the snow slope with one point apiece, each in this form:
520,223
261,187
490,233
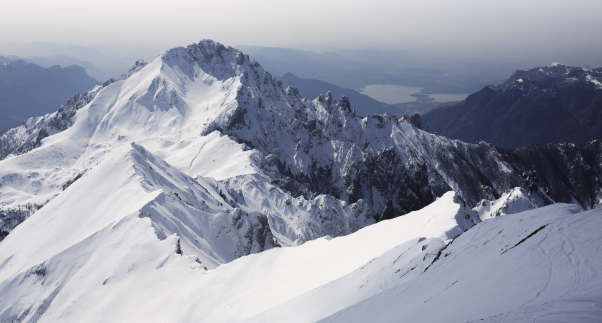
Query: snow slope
115,269
86,267
541,265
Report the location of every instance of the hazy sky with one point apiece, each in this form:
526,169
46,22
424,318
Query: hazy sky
473,27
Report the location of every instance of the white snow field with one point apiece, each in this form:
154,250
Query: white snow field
71,263
541,265
106,263
137,208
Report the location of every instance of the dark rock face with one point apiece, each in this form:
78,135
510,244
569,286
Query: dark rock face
398,176
414,119
10,218
255,233
550,104
394,186
567,173
394,182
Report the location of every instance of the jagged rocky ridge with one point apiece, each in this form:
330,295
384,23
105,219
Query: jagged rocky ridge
312,168
548,104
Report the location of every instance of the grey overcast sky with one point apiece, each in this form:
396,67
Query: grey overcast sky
464,27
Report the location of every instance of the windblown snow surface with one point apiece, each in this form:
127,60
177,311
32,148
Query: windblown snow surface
160,197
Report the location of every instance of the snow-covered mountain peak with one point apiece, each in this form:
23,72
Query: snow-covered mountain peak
213,114
206,116
212,57
200,157
184,92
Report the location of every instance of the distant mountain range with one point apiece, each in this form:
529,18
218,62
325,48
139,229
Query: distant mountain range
361,103
28,90
548,104
102,65
356,68
62,61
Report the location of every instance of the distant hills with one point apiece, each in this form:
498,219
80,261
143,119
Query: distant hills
28,90
361,103
548,104
100,64
356,68
61,60
40,48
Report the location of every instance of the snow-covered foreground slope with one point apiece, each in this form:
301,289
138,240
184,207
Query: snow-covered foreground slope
106,264
542,265
510,268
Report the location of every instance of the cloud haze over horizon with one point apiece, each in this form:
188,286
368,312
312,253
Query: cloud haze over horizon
513,29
